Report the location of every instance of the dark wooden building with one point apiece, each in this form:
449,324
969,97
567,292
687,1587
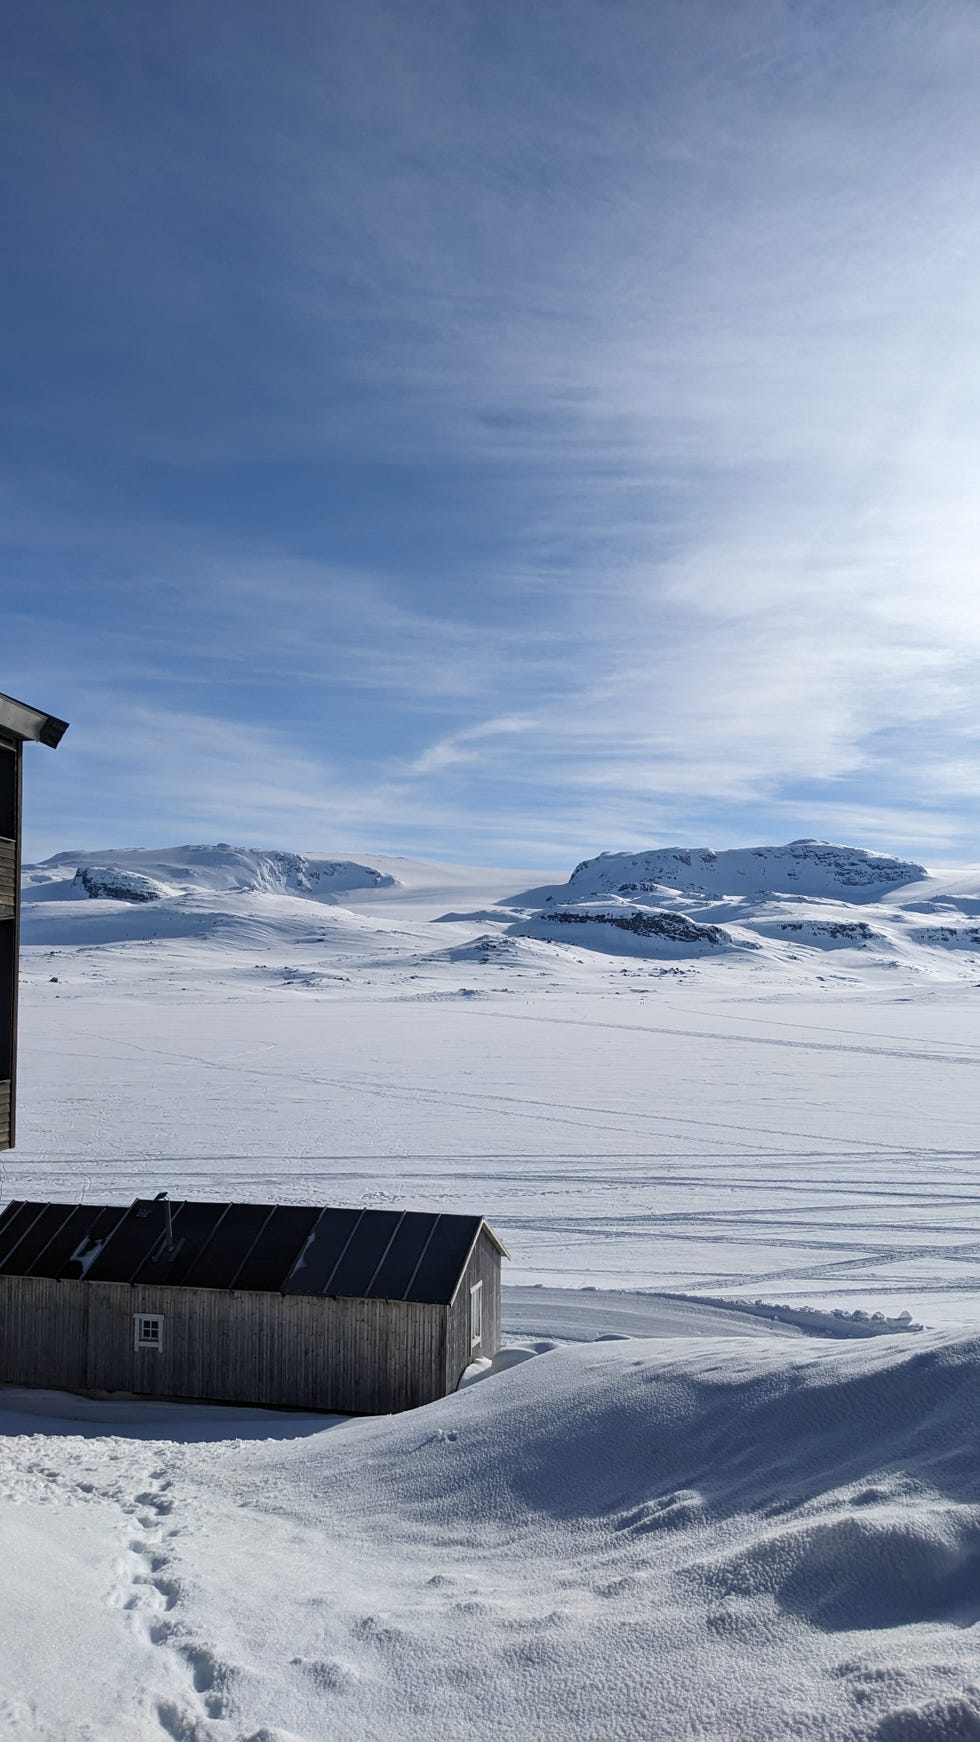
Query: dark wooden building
288,1306
19,724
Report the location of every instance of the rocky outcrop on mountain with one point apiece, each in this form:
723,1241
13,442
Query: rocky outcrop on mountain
101,884
294,871
676,928
622,927
829,931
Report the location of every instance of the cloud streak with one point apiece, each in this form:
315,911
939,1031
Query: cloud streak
521,434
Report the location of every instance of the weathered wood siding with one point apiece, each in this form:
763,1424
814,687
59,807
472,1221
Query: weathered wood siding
483,1266
8,876
292,1352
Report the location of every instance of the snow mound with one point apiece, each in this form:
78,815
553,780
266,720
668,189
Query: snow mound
659,1539
800,868
598,1430
485,1368
490,949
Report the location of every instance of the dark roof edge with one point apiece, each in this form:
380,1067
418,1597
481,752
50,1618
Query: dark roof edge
501,1248
26,722
484,1228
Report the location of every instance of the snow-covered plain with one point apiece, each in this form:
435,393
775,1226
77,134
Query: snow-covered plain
745,1075
791,1114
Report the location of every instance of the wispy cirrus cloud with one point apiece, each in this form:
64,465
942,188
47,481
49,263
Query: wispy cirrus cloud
561,435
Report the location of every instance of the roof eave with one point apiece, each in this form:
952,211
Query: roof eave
484,1228
501,1248
21,721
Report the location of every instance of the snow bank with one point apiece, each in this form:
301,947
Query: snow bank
662,1539
623,1540
818,1321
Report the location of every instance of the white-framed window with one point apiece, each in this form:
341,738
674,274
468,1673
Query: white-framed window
476,1315
148,1331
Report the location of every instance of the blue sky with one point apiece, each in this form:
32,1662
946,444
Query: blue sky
494,430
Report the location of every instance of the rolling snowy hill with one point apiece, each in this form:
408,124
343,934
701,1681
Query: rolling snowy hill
783,909
802,868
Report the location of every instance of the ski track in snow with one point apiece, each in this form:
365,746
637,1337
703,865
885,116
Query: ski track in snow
701,1528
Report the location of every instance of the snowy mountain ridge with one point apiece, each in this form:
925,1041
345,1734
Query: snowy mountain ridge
147,874
802,867
777,910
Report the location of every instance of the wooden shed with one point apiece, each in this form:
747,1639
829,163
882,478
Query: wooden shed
19,724
288,1306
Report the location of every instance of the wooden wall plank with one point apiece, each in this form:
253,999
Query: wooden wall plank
8,875
290,1352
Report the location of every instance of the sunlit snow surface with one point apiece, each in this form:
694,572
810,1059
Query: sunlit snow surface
663,1538
796,1120
699,1526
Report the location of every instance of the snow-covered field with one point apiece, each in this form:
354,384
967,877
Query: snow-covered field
793,1116
732,1538
734,1075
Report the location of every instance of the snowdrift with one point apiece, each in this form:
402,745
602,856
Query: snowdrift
651,1538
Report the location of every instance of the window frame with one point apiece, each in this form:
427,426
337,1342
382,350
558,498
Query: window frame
143,1342
476,1316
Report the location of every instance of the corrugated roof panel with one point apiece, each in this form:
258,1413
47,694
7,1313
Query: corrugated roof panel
192,1226
321,1252
75,1225
42,1229
132,1241
15,1226
298,1249
354,1273
443,1260
401,1261
215,1264
194,1254
7,1213
276,1250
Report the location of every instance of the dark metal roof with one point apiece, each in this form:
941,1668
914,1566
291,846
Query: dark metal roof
20,721
276,1248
